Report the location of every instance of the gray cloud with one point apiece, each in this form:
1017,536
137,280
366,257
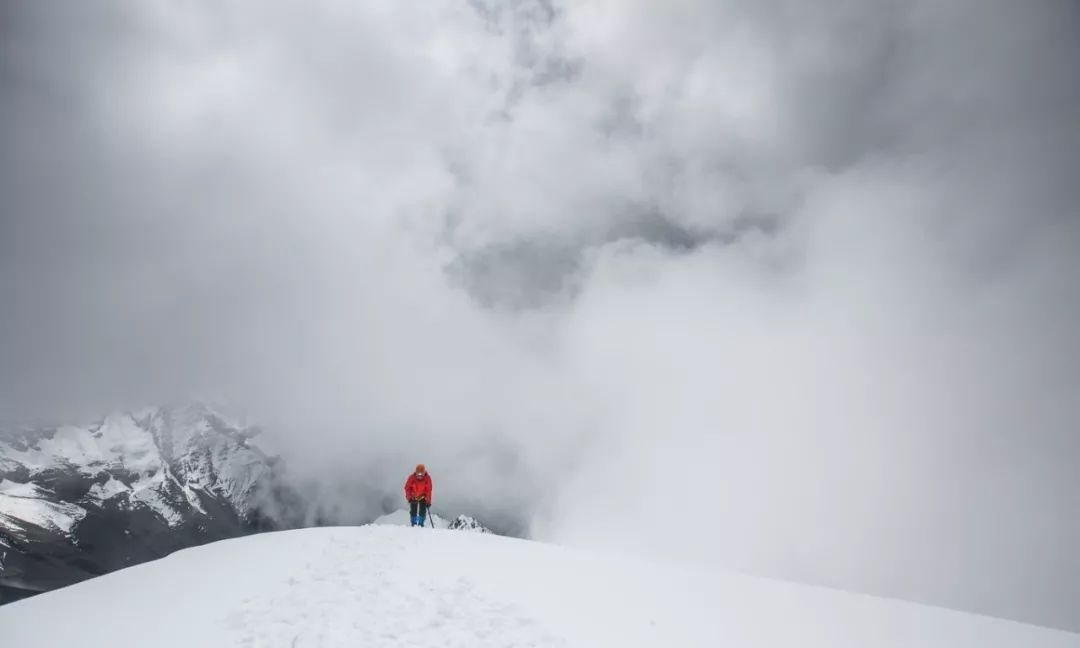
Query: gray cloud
766,285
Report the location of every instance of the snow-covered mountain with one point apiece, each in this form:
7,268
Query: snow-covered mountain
467,523
77,501
383,586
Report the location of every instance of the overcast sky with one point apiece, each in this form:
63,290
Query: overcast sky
779,286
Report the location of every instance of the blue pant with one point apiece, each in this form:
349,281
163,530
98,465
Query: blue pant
418,511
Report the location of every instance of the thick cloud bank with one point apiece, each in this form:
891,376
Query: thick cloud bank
782,286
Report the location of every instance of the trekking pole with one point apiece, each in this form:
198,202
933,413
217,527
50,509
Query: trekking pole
431,517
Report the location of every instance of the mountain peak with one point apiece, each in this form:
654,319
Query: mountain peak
468,523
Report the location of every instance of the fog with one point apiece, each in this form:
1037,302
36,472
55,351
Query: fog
790,288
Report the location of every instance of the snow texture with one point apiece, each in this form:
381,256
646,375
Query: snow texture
22,505
382,585
101,492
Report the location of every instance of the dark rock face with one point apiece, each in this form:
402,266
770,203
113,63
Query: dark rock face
76,502
468,523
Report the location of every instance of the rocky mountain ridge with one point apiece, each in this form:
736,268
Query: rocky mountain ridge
77,501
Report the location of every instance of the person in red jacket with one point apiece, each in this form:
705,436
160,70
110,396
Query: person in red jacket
418,493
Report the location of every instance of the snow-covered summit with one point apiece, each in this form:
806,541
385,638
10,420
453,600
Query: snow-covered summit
382,586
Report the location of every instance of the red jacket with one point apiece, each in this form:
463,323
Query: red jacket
417,486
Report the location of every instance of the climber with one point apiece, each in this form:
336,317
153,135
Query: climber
418,493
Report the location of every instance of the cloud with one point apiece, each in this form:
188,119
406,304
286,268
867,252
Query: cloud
781,287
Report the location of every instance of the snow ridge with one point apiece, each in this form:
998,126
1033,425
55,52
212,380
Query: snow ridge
385,586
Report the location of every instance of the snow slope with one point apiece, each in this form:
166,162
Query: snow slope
22,504
380,586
